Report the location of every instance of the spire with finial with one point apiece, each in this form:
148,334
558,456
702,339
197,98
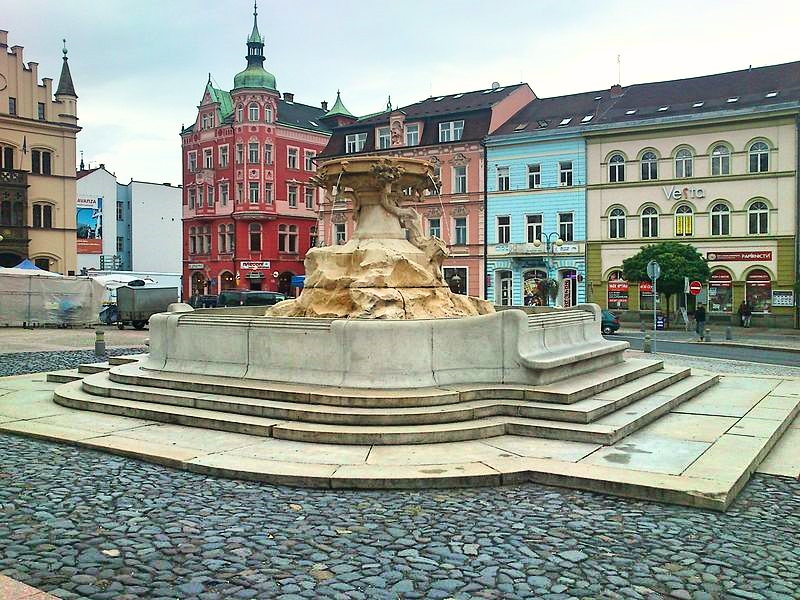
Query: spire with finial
65,86
255,36
82,165
254,76
338,108
389,104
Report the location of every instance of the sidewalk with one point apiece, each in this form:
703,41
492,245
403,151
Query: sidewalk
751,337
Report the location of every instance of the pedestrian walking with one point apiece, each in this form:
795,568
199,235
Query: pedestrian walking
700,321
742,308
748,314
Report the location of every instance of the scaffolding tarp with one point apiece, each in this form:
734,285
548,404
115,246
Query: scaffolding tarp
35,299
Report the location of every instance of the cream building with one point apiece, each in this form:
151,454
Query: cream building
37,164
709,161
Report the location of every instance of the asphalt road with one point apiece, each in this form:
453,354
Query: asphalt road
710,350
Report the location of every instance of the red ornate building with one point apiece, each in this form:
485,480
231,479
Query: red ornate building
249,214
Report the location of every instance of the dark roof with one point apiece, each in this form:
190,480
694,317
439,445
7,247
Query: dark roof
65,85
302,115
751,88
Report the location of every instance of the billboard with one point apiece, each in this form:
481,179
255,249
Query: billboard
90,224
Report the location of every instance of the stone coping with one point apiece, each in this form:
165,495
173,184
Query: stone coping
11,589
700,454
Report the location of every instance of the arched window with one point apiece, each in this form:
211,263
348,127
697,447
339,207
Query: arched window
42,216
239,114
759,157
758,290
255,237
616,224
649,222
720,160
268,114
758,218
649,166
252,112
684,221
616,168
206,239
231,238
222,241
720,219
6,158
504,288
683,163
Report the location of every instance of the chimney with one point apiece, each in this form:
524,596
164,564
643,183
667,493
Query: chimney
288,96
324,105
102,166
616,90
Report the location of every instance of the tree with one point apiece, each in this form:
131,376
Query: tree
677,260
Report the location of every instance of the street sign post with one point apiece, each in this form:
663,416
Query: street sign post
695,287
654,272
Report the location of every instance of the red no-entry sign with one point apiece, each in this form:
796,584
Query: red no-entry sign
695,287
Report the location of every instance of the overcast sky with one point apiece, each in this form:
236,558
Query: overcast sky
140,66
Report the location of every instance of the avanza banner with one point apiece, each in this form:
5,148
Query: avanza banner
89,224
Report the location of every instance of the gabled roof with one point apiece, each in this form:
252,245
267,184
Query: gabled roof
550,113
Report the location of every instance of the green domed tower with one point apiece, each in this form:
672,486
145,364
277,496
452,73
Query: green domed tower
254,76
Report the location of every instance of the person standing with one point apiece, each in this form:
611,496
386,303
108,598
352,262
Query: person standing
742,308
748,313
700,320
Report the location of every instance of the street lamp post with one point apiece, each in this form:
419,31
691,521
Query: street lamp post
549,242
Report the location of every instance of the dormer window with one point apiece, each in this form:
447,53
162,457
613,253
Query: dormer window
384,139
697,104
663,108
355,142
564,122
451,131
412,134
732,100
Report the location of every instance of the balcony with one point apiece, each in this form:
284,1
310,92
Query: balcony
526,249
13,178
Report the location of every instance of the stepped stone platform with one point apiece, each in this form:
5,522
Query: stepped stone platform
658,433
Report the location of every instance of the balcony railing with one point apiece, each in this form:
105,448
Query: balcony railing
13,177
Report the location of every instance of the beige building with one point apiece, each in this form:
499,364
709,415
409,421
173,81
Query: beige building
37,164
712,162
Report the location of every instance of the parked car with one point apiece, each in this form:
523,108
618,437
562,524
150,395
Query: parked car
609,323
249,298
203,301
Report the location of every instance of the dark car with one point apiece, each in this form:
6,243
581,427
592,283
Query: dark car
249,298
203,301
609,323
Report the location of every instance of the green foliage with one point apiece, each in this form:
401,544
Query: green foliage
677,260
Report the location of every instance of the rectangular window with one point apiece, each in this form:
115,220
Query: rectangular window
312,237
412,135
200,197
120,210
192,198
354,142
210,196
223,156
192,157
239,154
384,139
43,216
566,227
268,193
267,154
208,158
40,162
309,195
223,194
253,192
451,131
291,158
565,173
534,176
292,196
435,227
533,228
503,179
12,106
239,193
340,233
460,179
460,231
120,244
309,160
40,110
252,153
503,229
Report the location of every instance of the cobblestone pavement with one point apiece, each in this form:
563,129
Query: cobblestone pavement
81,524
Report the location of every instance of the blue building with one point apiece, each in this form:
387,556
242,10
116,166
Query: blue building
536,203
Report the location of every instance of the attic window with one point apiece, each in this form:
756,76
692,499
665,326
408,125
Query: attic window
439,99
458,95
770,94
542,124
697,104
488,91
521,126
732,100
596,98
663,108
314,124
631,111
587,118
565,122
500,89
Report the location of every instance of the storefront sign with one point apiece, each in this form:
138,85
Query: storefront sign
196,266
618,294
645,287
690,192
758,255
257,275
783,298
566,249
255,264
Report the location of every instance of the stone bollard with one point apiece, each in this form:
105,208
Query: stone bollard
99,343
728,334
647,346
641,326
708,334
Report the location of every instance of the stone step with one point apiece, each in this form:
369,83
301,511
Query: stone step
606,430
89,368
563,392
584,411
64,376
124,360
